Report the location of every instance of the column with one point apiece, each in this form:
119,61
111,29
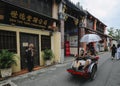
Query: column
105,39
82,32
94,27
62,40
61,17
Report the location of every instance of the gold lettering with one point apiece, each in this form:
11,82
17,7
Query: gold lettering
27,23
45,22
14,14
40,21
35,19
12,20
29,17
36,25
22,16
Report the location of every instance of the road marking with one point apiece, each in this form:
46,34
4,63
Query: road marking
8,83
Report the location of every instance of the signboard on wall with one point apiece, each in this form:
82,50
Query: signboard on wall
73,41
22,17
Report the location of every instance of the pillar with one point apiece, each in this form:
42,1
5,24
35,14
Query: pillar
62,40
94,27
61,17
82,32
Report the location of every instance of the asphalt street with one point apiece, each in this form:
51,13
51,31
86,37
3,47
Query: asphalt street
107,75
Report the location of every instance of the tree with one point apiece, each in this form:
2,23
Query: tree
111,32
115,33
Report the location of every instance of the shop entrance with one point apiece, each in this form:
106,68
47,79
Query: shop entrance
70,37
25,39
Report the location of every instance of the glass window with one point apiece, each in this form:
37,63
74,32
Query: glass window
8,41
45,42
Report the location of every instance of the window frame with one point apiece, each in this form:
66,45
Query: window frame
8,40
45,42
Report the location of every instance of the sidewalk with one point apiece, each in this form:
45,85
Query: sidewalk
8,81
34,73
68,59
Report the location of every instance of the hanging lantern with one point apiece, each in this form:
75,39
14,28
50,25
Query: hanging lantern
66,17
64,8
76,21
83,18
54,25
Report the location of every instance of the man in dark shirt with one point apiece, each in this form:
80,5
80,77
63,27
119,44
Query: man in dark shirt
30,57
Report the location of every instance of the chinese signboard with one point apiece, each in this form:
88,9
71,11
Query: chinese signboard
22,17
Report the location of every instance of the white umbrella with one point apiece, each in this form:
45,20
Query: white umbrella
90,38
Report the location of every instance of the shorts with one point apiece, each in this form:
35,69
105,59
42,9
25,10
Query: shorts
83,61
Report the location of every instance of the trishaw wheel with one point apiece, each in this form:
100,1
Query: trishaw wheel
93,72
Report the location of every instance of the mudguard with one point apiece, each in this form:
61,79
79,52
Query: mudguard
90,67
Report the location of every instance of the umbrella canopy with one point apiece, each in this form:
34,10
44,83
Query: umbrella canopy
90,38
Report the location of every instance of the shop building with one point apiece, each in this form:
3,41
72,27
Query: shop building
93,25
70,19
74,23
53,24
29,21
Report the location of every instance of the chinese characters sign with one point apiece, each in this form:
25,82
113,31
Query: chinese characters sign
25,18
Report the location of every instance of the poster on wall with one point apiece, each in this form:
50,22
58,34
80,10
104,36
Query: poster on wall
73,41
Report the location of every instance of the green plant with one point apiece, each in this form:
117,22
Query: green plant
6,59
47,54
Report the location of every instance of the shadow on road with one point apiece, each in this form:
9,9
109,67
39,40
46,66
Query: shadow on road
77,79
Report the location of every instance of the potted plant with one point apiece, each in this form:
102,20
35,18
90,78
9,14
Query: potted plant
6,62
47,56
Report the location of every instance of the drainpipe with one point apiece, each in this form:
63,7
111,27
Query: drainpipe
78,38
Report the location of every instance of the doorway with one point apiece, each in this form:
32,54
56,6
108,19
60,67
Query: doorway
70,37
25,39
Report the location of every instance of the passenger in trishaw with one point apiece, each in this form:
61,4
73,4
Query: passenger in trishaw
83,60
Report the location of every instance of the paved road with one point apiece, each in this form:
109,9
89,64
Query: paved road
107,75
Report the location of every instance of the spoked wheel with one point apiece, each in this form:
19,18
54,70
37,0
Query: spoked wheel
93,72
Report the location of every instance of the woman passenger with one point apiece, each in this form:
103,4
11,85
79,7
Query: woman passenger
84,60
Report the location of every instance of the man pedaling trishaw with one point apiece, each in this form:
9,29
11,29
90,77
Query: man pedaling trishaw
84,64
84,59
